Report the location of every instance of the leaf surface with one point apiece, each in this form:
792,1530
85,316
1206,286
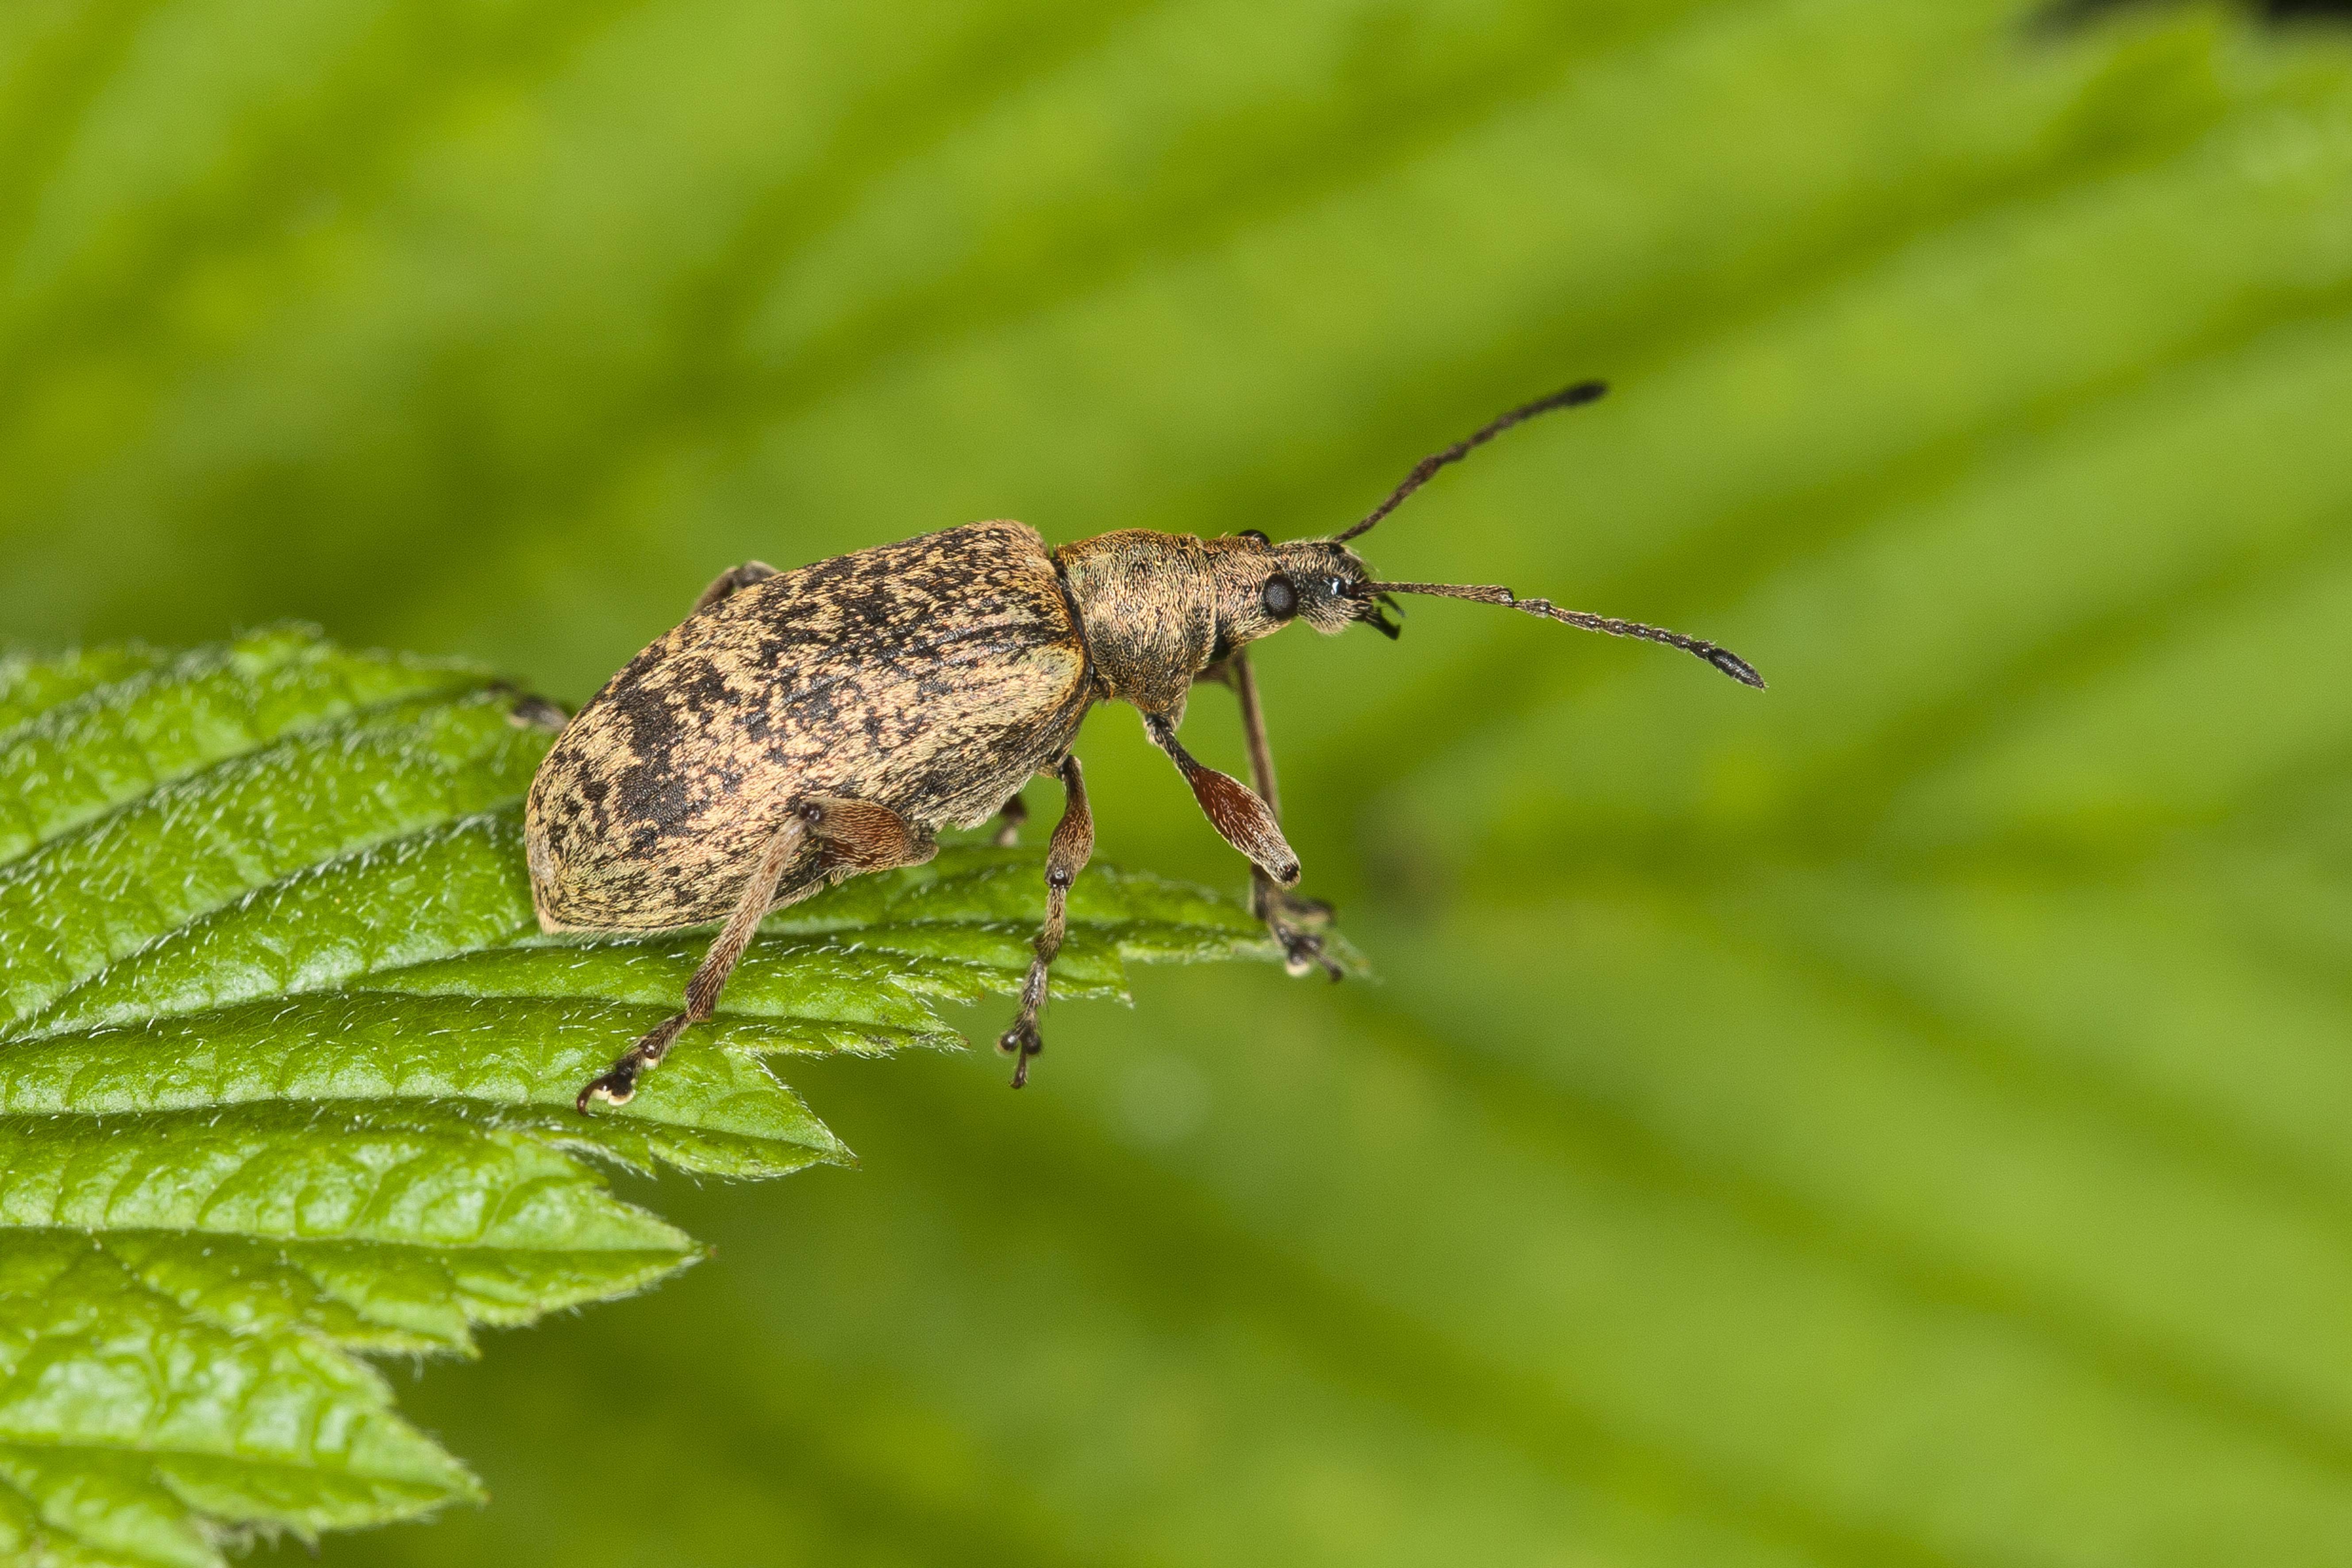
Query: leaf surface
287,1072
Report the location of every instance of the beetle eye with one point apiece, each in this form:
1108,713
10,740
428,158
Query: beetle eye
1280,597
1339,587
1256,533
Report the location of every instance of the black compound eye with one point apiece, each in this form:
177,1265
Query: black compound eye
1280,597
1256,533
1339,587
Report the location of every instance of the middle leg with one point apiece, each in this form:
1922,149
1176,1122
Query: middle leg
1073,846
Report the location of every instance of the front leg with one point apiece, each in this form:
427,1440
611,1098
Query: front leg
1299,924
1240,817
1073,846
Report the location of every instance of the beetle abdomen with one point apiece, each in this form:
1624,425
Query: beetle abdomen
933,677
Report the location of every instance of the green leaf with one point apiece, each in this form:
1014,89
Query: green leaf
286,1069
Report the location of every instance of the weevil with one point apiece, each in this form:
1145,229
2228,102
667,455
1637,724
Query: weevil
801,727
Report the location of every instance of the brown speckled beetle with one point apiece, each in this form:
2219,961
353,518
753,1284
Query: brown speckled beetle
803,727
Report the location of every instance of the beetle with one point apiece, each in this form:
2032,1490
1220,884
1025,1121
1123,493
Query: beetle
799,728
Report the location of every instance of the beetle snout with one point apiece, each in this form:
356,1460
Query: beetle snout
1368,606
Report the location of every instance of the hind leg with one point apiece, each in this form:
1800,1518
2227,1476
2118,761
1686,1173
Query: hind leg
727,582
847,836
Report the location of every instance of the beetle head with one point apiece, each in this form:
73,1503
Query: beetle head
1261,587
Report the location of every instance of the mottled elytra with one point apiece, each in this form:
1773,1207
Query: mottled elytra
799,728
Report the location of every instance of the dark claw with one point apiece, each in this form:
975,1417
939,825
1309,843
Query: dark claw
1020,1042
1294,923
529,711
618,1087
1303,950
537,714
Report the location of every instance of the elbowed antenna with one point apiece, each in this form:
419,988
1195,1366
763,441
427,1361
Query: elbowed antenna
1723,658
1566,397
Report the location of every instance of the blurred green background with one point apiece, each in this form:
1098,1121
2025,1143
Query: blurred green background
1897,1118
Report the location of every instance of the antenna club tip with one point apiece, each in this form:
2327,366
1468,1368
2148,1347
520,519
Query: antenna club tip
1732,665
1583,392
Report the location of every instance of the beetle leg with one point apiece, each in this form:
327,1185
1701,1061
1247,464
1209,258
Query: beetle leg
783,847
858,836
727,582
1073,846
1296,923
530,710
852,836
1010,818
1240,817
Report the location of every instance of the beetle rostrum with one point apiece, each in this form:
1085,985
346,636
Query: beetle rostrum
799,728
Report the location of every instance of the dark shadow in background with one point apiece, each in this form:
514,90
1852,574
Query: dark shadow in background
2067,13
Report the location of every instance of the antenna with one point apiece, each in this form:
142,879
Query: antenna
1722,657
1583,392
